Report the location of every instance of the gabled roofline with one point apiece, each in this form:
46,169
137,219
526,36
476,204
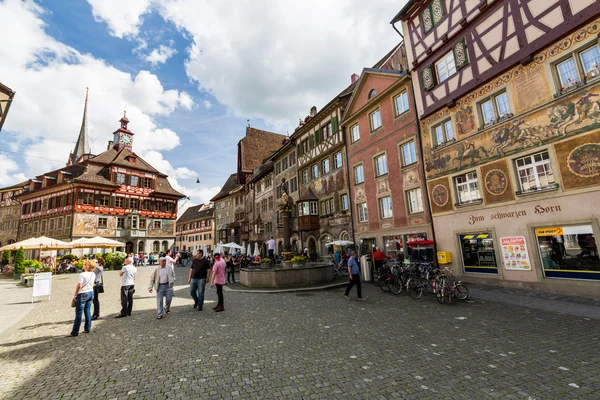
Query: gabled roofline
369,71
404,11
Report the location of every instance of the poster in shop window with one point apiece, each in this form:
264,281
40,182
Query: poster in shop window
515,254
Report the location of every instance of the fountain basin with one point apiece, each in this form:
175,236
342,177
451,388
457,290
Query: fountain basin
308,274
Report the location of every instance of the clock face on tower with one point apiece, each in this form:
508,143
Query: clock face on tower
126,139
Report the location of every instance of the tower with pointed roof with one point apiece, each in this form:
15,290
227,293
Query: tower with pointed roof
82,147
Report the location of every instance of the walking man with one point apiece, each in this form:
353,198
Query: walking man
199,272
271,244
354,277
162,280
218,278
127,274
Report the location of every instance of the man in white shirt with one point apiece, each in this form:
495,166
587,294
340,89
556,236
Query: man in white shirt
127,274
170,260
271,244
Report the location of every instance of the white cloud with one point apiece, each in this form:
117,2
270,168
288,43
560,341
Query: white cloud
207,104
50,79
275,60
123,17
8,171
160,55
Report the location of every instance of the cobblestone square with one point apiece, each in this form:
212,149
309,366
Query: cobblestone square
307,345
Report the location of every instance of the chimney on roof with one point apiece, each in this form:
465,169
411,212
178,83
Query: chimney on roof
110,144
354,78
313,111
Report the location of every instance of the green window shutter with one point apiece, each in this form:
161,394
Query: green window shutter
427,77
317,136
299,149
427,19
334,124
461,59
311,141
437,11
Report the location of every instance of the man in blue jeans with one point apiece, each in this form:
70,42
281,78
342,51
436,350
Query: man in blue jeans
199,272
354,277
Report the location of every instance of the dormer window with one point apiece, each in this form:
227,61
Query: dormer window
372,93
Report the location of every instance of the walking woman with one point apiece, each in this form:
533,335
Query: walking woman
218,278
84,293
98,288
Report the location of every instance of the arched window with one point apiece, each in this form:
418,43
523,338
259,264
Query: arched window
372,93
165,246
141,247
156,246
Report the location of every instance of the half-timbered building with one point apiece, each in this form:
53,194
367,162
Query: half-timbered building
507,94
10,213
113,194
322,174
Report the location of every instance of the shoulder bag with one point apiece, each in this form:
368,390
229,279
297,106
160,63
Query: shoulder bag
74,301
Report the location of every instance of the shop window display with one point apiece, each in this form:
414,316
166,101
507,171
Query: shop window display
478,253
569,252
393,246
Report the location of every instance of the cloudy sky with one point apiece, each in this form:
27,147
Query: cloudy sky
189,72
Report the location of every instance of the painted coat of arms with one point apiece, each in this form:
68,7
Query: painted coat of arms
584,160
496,182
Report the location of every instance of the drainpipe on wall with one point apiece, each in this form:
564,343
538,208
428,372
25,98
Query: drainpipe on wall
396,29
422,163
351,210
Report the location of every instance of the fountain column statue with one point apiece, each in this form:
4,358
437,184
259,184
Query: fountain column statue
285,211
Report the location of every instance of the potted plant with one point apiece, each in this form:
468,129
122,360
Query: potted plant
298,261
5,259
19,267
265,263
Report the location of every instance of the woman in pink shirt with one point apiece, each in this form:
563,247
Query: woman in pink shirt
218,278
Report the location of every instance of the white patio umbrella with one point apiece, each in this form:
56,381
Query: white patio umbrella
339,243
233,245
219,248
256,250
100,242
38,243
249,251
78,241
244,247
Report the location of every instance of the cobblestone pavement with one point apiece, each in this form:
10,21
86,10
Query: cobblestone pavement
299,345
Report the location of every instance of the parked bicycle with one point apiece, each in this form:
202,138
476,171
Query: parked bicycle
448,287
339,269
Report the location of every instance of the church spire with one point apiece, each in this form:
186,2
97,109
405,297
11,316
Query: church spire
83,144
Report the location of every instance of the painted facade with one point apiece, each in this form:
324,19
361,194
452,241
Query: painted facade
286,168
229,211
511,150
115,194
387,188
322,175
10,213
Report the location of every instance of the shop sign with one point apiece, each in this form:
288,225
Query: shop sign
515,214
557,231
515,254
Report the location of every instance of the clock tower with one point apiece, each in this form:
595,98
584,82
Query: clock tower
123,137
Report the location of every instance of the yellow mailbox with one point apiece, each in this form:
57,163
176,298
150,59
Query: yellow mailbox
444,257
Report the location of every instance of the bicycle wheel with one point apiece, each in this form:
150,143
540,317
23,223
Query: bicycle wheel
439,293
462,292
448,295
396,286
414,287
343,271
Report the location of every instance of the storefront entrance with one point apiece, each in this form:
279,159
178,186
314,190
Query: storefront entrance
568,252
478,253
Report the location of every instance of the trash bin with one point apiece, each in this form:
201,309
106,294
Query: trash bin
365,266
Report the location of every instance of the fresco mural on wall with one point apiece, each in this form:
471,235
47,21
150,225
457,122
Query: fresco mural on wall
573,115
328,184
579,161
465,120
496,182
87,225
439,193
167,228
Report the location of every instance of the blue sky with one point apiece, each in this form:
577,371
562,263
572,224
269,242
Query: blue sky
190,73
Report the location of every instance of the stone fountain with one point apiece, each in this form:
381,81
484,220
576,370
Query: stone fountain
308,274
